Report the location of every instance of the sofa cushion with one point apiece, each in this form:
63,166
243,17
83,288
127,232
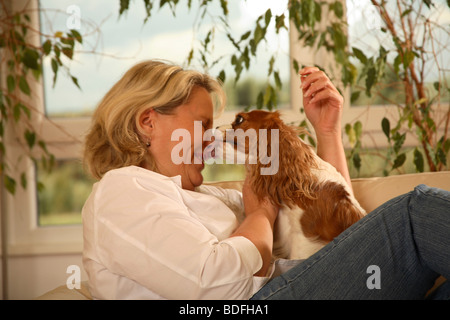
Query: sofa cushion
372,192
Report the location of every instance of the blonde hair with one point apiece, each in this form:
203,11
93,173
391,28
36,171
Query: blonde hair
114,139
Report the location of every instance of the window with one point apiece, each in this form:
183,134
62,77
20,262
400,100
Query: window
63,193
111,46
108,51
365,31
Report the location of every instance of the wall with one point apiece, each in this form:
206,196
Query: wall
33,275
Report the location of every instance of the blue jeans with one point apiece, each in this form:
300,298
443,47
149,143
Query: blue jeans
395,252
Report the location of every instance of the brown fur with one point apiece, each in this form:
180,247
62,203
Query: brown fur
327,207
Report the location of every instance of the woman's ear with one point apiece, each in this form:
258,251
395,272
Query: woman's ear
146,120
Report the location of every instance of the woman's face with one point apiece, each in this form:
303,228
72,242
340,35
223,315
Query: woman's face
185,148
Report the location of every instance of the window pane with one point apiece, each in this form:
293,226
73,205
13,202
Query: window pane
367,32
111,45
64,192
223,172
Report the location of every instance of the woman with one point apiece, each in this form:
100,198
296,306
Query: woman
152,231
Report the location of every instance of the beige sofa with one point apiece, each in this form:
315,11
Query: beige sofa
371,192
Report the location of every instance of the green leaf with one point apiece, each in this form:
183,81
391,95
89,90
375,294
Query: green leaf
399,161
260,101
11,83
70,42
399,140
40,186
268,94
446,145
47,47
26,110
271,63
429,3
57,50
55,67
358,129
76,35
279,23
16,112
75,81
268,16
30,137
277,80
123,6
23,180
224,5
360,55
23,85
43,146
350,131
397,62
338,9
296,66
257,37
408,59
357,161
10,184
370,80
222,76
406,12
30,59
190,56
418,160
68,52
355,96
245,36
386,126
440,155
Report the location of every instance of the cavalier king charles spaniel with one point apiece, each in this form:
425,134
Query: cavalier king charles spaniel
315,201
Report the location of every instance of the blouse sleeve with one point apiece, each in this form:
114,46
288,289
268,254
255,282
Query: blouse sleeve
159,245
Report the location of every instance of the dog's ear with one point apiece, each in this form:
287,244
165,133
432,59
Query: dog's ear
273,121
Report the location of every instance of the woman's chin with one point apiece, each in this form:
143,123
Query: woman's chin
195,177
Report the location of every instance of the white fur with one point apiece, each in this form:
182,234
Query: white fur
289,239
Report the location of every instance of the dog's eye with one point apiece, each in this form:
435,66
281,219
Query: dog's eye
239,119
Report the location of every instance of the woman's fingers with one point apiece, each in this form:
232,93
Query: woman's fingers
308,70
331,96
316,86
315,81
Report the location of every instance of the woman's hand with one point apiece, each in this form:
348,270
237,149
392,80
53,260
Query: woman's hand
258,225
322,102
323,106
252,204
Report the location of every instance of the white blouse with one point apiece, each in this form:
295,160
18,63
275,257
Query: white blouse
147,238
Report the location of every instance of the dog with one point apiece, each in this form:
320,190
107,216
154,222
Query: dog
315,201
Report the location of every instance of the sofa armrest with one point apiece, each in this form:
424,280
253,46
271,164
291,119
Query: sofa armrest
64,293
372,192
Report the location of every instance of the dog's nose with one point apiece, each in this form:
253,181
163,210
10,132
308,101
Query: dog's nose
223,128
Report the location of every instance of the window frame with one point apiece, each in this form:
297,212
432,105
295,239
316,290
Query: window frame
64,138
